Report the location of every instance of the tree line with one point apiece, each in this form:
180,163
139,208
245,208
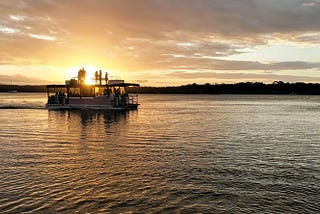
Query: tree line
23,88
277,87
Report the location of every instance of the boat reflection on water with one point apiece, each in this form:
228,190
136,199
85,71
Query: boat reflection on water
86,117
93,125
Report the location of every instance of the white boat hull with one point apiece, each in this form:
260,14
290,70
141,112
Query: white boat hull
95,107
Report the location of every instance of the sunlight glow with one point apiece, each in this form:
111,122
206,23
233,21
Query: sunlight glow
72,72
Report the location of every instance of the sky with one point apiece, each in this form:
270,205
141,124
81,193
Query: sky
160,42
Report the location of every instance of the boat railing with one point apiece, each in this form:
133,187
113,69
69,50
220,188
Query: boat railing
133,99
57,99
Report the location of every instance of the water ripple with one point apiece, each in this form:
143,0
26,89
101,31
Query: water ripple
200,154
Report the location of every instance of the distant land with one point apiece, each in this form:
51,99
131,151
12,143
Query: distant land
23,88
277,87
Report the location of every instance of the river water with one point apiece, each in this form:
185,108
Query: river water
176,154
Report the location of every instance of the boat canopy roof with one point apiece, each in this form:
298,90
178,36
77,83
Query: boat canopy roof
58,86
124,84
112,85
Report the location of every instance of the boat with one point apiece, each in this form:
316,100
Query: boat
103,94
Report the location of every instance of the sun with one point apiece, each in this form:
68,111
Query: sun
72,72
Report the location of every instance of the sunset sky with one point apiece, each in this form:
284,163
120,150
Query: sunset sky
160,42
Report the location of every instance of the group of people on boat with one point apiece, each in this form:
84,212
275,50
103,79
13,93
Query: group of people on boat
98,77
58,98
82,76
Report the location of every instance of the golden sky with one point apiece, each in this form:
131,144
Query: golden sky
160,42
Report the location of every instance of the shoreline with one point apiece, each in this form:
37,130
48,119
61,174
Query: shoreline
275,88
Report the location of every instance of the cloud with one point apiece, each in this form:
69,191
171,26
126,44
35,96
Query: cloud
208,63
43,37
18,79
166,18
228,18
263,77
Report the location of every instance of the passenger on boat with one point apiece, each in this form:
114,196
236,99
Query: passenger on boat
96,76
106,78
82,76
106,91
100,77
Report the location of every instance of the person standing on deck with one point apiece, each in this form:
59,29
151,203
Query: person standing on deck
82,76
100,77
106,78
96,75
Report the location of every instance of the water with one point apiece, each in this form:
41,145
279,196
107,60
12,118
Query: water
177,153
